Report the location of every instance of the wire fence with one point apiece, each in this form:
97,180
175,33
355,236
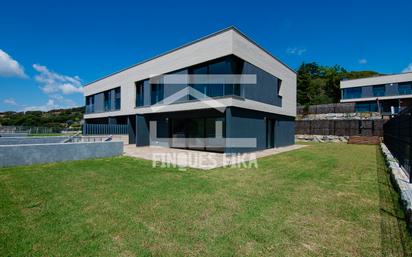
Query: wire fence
398,138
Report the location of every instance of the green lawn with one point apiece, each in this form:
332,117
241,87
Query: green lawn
325,199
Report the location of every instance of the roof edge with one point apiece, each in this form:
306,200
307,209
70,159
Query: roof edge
188,44
379,76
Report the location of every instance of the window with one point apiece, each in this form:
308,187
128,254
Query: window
139,93
366,107
354,92
157,93
90,104
107,100
117,98
405,88
197,83
378,90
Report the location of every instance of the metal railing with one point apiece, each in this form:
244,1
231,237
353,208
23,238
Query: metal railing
397,134
105,129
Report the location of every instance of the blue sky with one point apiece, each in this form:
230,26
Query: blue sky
48,49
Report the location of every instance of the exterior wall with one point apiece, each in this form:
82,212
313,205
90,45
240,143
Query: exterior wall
241,123
16,155
379,80
249,51
266,88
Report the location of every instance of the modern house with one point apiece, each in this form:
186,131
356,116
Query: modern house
220,93
385,94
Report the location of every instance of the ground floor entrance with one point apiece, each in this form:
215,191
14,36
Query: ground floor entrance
205,134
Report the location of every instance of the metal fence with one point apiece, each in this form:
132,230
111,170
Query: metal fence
105,129
339,127
398,138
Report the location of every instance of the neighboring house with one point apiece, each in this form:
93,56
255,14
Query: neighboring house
195,113
385,94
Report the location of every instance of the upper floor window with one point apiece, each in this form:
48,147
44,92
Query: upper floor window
354,92
378,90
107,100
157,93
139,93
90,104
117,98
405,88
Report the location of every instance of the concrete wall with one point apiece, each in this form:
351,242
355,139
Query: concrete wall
17,155
31,140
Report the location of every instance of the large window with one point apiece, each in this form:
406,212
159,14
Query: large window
354,92
209,86
378,90
104,102
405,88
139,93
224,66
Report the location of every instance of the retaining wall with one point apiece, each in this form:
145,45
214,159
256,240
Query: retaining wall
27,154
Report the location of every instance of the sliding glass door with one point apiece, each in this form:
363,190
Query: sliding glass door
198,134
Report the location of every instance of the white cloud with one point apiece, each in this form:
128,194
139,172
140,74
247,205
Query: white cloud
296,50
362,61
408,68
50,105
55,101
10,67
10,101
52,82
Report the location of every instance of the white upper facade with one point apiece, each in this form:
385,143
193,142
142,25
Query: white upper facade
226,42
378,80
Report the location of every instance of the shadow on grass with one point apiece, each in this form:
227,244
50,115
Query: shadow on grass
395,238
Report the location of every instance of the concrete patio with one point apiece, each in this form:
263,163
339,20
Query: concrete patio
171,157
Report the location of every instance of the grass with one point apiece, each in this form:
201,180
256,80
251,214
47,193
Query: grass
325,199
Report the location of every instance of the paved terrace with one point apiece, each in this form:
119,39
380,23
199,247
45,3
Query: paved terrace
198,159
